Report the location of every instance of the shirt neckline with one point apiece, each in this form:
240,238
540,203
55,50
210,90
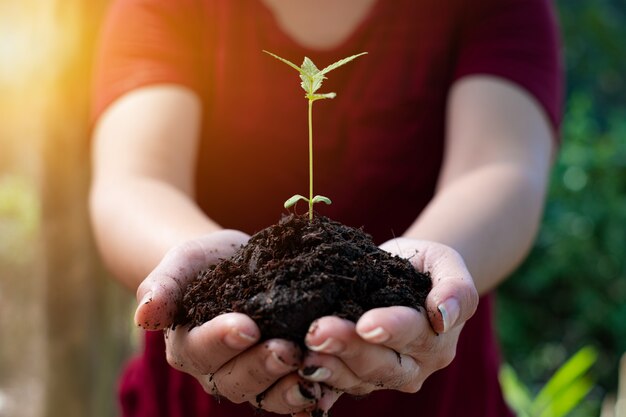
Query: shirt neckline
273,33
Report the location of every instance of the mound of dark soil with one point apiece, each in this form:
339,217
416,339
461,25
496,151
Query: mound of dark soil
298,270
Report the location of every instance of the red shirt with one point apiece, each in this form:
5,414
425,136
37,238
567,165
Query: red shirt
378,145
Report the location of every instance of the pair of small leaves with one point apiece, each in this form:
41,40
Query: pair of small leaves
317,199
312,77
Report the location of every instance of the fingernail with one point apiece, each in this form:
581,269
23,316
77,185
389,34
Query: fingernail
146,299
277,365
236,339
300,394
329,345
377,335
450,311
315,373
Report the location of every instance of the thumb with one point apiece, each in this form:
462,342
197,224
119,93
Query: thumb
453,298
160,294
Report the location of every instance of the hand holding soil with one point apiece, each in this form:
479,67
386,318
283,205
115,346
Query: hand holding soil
160,293
396,347
387,348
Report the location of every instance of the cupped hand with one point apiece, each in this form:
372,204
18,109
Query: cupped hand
396,347
223,354
160,294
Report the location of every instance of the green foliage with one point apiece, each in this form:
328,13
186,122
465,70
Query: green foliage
561,394
572,289
311,81
19,218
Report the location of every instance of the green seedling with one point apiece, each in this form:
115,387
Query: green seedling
312,79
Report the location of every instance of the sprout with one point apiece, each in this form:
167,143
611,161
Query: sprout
312,79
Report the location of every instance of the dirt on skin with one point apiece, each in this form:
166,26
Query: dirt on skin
298,270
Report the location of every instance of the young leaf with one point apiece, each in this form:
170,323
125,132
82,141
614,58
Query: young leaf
321,199
291,64
321,96
308,68
311,77
340,63
311,84
294,199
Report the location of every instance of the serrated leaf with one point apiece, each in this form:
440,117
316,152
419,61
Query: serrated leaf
340,63
291,64
321,199
310,84
317,82
294,199
308,67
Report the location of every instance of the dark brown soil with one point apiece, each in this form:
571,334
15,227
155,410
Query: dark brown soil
298,270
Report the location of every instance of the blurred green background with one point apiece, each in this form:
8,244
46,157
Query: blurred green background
571,291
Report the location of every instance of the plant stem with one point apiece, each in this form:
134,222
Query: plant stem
310,159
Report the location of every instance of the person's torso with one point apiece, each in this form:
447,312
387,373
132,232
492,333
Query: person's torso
377,146
377,150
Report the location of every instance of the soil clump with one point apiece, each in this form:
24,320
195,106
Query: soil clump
298,270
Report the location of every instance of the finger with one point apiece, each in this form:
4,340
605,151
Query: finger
327,399
402,329
411,334
331,371
373,364
159,294
204,349
453,298
291,394
246,376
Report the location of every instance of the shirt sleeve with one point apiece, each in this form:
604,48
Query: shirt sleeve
145,42
517,40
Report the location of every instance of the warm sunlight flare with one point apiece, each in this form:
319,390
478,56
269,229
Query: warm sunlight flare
45,49
35,37
36,41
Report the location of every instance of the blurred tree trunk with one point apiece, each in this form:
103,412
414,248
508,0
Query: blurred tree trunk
86,314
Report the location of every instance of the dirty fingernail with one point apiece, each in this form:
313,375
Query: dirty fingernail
277,365
377,335
315,373
329,345
300,394
450,311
